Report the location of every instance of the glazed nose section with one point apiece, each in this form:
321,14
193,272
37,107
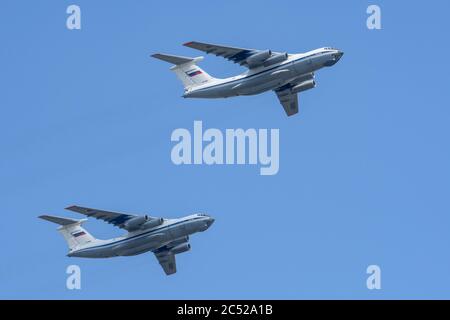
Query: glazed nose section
338,55
334,57
203,224
209,222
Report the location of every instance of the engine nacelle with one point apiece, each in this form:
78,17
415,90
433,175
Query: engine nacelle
153,222
306,85
275,59
135,223
182,240
181,248
258,59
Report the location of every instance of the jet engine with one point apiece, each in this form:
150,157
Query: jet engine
135,223
180,241
153,222
181,248
305,85
257,59
280,57
143,222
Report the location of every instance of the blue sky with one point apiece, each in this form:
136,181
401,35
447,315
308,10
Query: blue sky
86,118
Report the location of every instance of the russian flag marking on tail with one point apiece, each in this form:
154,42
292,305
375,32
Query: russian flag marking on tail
78,234
194,73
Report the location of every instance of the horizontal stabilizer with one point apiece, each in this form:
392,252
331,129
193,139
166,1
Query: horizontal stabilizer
186,70
177,60
60,220
72,231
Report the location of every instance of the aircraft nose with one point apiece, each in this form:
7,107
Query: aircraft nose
338,55
210,221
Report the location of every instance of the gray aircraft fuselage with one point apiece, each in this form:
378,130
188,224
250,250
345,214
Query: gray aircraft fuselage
152,239
267,78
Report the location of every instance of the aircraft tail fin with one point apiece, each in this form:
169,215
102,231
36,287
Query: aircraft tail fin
186,69
72,231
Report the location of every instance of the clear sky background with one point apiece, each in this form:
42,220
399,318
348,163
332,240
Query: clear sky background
86,118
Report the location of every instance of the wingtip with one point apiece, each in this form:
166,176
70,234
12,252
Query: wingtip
187,43
70,207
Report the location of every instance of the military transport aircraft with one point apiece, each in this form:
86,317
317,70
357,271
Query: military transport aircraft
165,237
286,74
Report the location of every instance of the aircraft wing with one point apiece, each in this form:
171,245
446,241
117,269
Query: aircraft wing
167,261
288,100
116,218
237,55
166,257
